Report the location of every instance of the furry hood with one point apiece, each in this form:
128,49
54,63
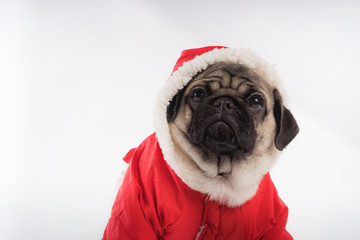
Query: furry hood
246,176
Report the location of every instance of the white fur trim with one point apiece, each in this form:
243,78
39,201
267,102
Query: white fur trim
241,186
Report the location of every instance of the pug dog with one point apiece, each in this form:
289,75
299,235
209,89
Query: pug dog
220,125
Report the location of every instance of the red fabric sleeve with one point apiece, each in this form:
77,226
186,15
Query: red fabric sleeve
138,211
277,212
278,230
128,220
265,214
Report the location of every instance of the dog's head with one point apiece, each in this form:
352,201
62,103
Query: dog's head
221,122
228,112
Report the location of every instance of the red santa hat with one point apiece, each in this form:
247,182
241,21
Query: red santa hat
190,54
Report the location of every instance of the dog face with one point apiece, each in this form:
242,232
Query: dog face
226,114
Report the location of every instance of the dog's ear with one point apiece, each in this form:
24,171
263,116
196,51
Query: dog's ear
174,105
286,126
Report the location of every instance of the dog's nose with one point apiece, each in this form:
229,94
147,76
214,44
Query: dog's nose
224,103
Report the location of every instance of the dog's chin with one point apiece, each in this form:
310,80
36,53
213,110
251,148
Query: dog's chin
220,139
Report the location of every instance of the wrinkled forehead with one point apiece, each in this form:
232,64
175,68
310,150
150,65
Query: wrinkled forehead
234,76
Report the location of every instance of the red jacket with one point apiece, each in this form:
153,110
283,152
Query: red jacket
154,203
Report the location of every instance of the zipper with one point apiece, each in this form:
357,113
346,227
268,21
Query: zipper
202,226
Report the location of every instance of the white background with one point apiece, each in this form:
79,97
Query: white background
78,81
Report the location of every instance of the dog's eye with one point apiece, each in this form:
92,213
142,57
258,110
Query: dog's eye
197,94
256,102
